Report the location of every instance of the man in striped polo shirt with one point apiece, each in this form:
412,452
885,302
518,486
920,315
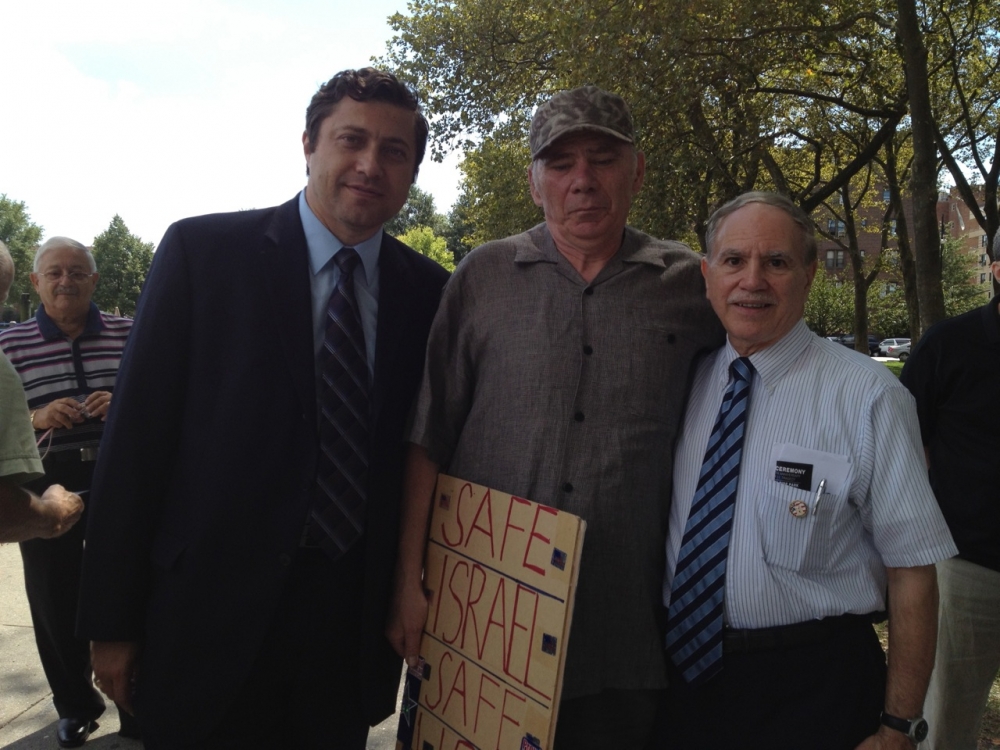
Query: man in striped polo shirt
800,497
67,357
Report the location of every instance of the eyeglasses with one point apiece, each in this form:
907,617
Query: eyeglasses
77,276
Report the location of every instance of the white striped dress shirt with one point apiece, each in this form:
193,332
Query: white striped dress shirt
813,394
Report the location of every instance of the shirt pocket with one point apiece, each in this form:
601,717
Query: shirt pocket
790,539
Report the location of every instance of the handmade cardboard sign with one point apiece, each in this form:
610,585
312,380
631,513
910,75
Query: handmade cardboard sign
501,573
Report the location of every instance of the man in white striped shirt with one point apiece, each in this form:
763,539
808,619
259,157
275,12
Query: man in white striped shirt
828,507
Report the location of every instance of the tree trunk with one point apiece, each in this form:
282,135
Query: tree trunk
903,247
923,187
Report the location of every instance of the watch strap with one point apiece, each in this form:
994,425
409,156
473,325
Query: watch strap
909,727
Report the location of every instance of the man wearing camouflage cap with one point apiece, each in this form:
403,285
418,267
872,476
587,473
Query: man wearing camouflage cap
556,370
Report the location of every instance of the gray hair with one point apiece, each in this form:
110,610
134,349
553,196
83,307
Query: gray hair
996,246
6,272
777,200
55,243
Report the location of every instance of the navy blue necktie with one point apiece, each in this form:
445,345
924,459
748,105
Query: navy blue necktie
694,618
338,510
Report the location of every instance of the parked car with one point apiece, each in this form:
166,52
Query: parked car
883,347
900,352
873,341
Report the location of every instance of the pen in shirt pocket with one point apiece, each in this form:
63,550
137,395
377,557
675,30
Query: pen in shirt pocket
819,496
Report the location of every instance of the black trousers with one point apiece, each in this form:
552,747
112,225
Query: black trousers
825,696
610,719
302,691
52,583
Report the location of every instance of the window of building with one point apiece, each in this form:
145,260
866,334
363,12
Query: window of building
983,240
886,195
834,259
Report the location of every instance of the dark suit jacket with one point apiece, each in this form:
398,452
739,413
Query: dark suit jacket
209,458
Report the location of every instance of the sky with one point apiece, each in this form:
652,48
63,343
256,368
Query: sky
157,110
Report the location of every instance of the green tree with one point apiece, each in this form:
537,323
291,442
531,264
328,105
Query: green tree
495,186
887,311
425,242
21,235
958,277
123,261
830,306
418,211
460,229
727,96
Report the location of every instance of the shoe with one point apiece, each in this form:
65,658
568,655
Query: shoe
129,726
74,732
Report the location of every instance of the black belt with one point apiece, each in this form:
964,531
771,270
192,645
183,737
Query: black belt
735,641
73,455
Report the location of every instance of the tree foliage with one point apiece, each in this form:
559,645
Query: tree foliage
460,230
21,235
830,306
958,274
123,261
425,242
727,96
418,211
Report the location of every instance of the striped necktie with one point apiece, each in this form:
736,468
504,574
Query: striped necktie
338,509
694,618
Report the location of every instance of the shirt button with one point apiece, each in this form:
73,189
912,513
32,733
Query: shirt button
588,291
578,416
588,350
285,559
567,487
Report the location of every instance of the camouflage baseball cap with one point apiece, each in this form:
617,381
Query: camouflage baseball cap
584,108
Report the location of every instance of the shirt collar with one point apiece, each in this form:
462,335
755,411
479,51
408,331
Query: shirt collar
323,244
50,331
772,362
542,248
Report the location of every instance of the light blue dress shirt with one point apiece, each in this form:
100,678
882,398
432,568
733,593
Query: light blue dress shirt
324,275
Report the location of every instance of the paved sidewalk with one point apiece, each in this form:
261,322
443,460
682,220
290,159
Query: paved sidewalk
27,717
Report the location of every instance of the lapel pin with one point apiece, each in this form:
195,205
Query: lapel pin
798,508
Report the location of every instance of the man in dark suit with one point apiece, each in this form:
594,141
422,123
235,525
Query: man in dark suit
243,529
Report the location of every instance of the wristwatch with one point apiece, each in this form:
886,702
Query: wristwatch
915,729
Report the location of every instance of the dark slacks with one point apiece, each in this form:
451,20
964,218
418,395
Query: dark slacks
610,719
302,691
824,696
52,583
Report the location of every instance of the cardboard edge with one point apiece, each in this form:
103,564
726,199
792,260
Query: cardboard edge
571,611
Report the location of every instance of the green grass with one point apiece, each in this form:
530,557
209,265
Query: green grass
894,366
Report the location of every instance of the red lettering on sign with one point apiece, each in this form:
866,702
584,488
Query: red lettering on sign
486,503
470,614
440,590
483,677
460,673
458,519
458,601
505,716
508,525
439,670
535,535
499,597
528,646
